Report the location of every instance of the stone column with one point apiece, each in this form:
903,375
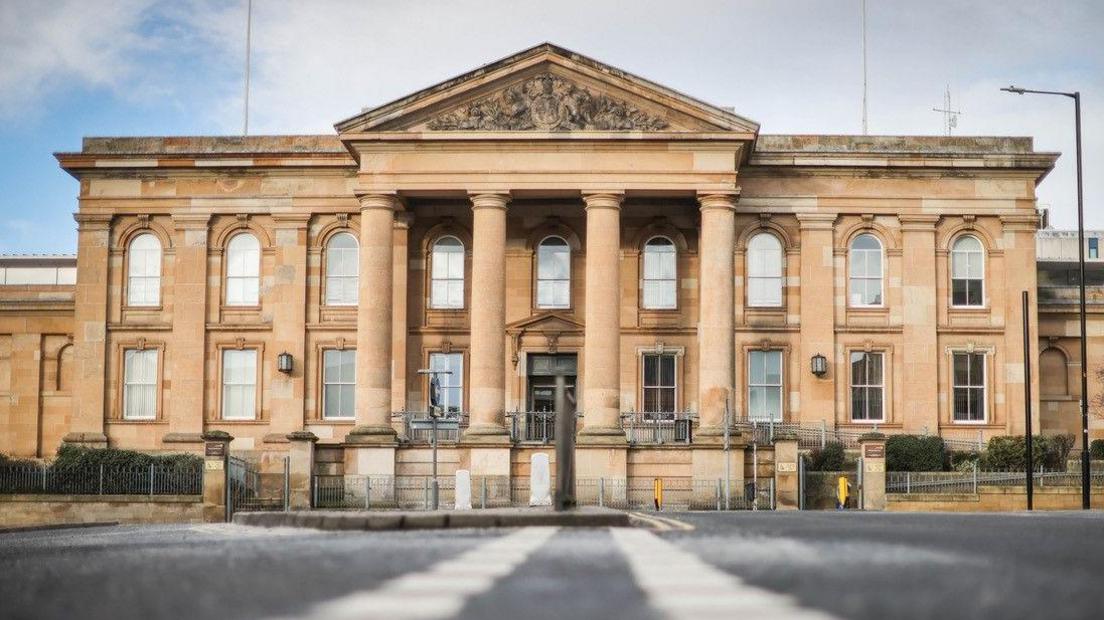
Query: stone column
818,322
216,455
189,331
90,330
289,319
300,469
920,344
786,485
373,436
873,450
488,319
716,336
601,447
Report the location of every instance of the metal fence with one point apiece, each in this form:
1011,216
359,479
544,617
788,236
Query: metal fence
643,427
819,488
418,426
103,479
250,489
532,426
813,436
415,493
968,482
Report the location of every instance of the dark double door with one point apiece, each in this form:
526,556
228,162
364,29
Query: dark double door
543,370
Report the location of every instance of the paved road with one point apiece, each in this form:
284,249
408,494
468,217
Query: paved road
732,565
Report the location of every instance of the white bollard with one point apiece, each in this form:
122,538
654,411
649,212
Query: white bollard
463,489
540,481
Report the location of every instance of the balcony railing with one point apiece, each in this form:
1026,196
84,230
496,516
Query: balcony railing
642,427
532,426
418,426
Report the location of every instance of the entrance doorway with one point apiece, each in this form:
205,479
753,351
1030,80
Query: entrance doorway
539,419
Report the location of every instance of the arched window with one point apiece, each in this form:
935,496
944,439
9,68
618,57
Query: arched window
866,271
967,272
553,273
144,271
447,274
342,265
660,276
764,270
243,271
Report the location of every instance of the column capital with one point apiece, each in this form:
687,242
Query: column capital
191,221
816,221
390,202
92,221
603,200
718,200
404,220
489,200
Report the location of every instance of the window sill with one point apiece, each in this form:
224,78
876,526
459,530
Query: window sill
333,421
153,421
238,422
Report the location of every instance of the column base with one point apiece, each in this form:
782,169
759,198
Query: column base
372,434
601,436
486,434
86,440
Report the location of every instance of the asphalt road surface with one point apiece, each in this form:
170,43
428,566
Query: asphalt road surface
703,565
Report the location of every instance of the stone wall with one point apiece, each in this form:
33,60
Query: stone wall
25,510
993,499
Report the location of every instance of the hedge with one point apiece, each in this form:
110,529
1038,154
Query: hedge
79,457
1010,452
914,453
829,458
1096,448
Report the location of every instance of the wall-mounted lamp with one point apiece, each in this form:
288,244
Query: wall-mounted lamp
819,365
284,362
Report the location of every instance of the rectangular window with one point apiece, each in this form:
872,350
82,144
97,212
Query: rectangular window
239,384
452,385
338,384
140,384
659,382
765,385
867,387
969,387
1094,247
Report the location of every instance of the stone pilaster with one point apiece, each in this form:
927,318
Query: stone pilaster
872,448
488,320
289,316
215,461
716,338
602,334
90,330
786,485
920,342
373,363
818,322
189,331
300,469
1019,275
398,310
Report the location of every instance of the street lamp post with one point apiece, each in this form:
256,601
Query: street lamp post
1085,467
434,414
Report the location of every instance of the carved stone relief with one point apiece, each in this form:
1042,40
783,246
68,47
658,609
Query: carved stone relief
548,102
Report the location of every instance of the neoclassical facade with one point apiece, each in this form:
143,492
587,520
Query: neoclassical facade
543,216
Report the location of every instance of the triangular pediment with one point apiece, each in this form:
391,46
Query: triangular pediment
547,89
545,323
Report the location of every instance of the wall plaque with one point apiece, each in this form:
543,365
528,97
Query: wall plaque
874,451
786,467
214,448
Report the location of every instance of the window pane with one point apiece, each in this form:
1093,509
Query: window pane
973,293
667,399
858,403
858,369
651,370
667,368
756,369
773,367
773,403
977,369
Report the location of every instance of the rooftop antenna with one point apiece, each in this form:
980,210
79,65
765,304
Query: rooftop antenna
863,5
950,115
248,45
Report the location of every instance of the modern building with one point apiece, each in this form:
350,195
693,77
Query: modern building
542,216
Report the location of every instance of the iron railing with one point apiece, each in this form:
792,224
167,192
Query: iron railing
532,426
250,489
179,479
415,493
817,435
968,482
643,427
418,426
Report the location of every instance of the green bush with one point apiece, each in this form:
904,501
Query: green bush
914,453
81,457
829,458
1096,449
7,461
962,460
1010,452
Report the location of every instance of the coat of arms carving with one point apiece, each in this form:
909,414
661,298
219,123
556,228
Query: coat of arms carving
547,102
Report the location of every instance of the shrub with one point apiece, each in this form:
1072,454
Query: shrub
1010,452
7,461
914,453
962,460
829,458
78,457
1096,449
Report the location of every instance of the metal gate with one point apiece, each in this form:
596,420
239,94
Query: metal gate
250,490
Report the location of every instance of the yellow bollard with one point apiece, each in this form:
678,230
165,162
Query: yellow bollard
842,492
657,493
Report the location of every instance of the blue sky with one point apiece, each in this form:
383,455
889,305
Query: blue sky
76,68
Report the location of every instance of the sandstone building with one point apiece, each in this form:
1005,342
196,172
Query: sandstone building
544,215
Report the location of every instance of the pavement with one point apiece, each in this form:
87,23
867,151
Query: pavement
672,565
335,520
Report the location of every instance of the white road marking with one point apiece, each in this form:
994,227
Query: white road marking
441,590
680,585
658,523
